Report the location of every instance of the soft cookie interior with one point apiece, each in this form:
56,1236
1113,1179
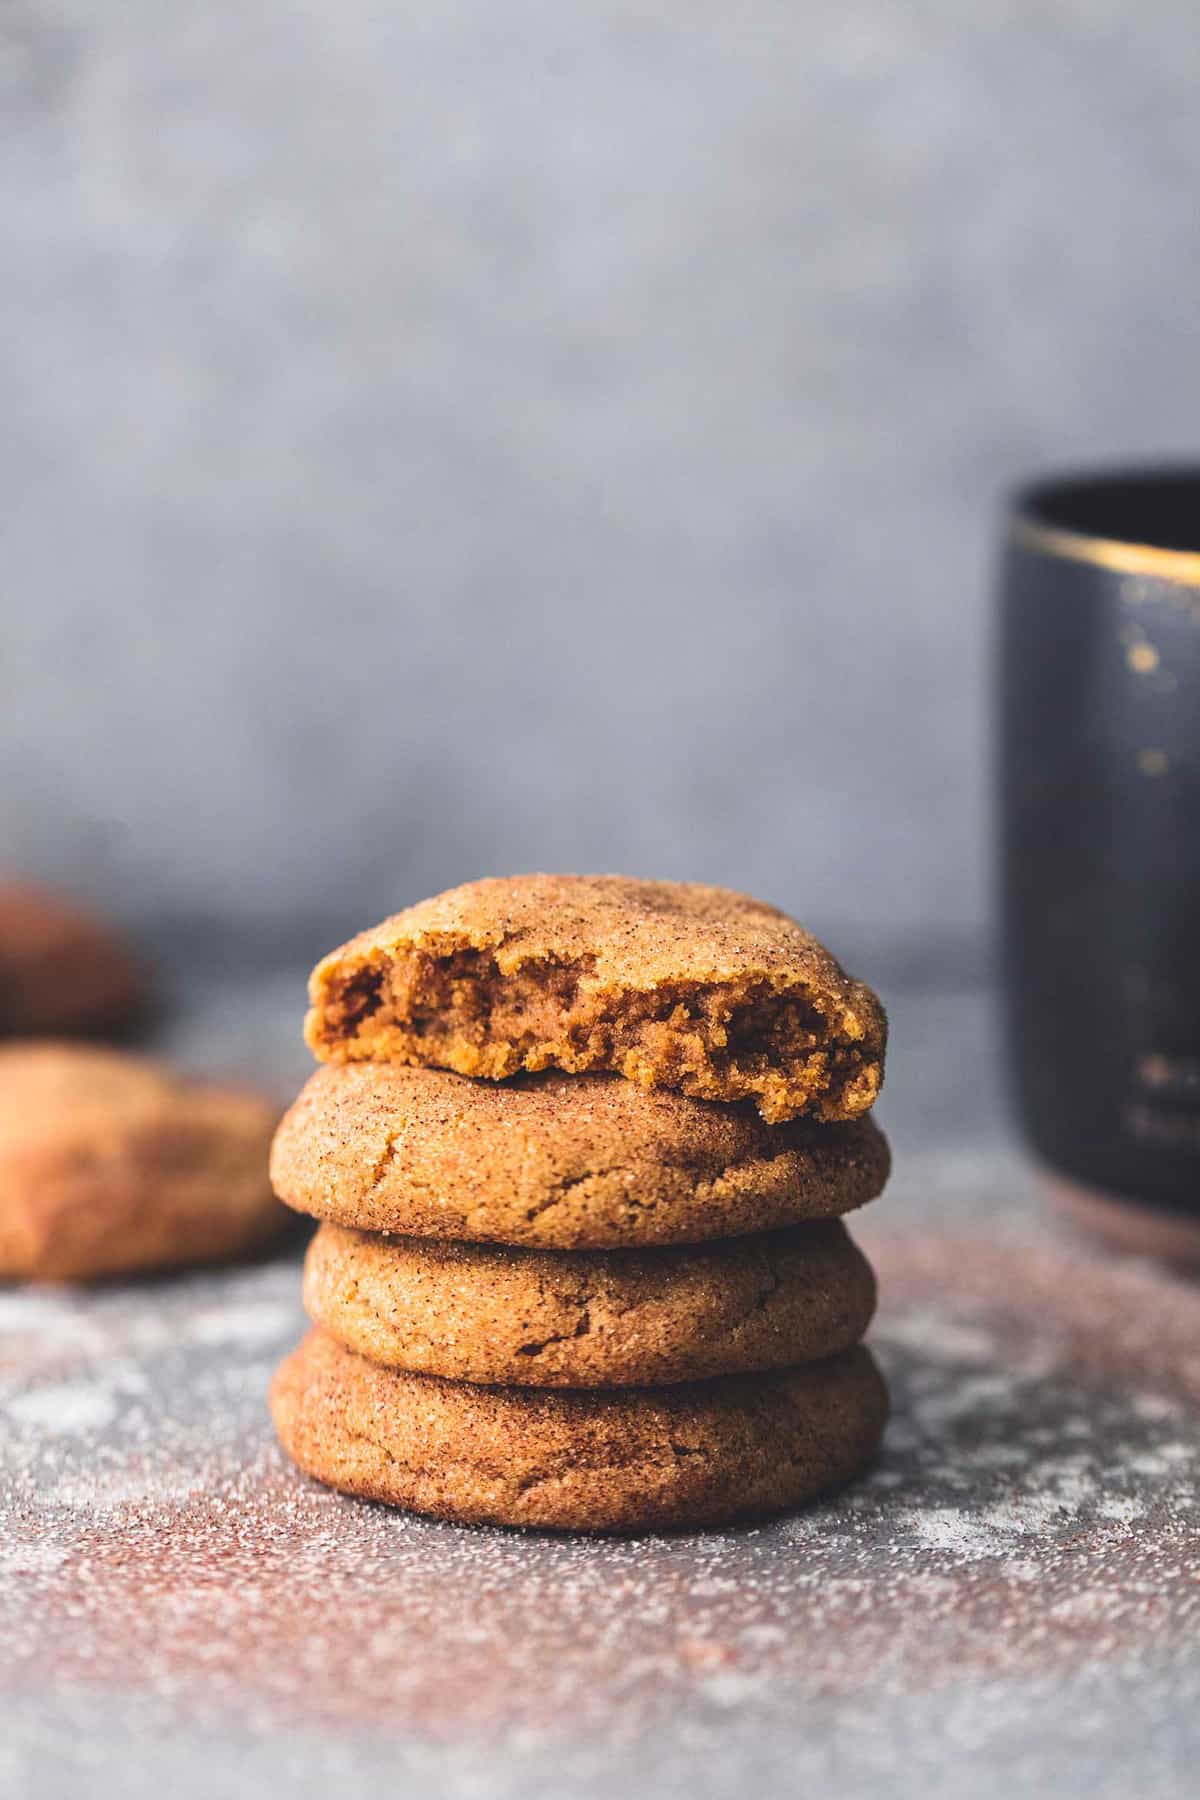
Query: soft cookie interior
747,1038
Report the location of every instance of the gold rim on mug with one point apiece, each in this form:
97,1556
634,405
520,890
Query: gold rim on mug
1124,557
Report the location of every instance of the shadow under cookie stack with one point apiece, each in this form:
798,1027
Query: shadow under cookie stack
579,1149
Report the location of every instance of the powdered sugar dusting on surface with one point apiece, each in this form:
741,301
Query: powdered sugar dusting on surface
1033,1519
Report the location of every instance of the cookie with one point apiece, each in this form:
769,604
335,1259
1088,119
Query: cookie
627,1459
109,1164
61,971
666,983
590,1318
557,1160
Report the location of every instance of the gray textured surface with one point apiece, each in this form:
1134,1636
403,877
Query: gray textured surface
469,438
1006,1605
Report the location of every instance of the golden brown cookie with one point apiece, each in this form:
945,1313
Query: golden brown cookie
590,1318
61,971
110,1164
622,1460
666,983
585,1161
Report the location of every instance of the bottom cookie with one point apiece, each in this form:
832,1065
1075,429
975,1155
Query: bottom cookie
700,1453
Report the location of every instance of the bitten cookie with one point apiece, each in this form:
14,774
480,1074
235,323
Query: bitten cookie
109,1164
562,1161
697,1454
590,1318
61,971
666,983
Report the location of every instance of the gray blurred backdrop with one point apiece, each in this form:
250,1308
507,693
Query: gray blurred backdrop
499,434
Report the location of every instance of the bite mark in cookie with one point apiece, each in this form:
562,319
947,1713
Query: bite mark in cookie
668,984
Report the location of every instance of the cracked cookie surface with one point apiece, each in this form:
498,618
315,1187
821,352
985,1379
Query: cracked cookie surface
111,1164
700,1453
556,1160
669,984
616,1318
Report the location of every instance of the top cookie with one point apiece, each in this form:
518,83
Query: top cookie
61,971
669,984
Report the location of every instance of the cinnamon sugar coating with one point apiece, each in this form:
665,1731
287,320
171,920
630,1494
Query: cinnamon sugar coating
632,1459
556,1160
590,1318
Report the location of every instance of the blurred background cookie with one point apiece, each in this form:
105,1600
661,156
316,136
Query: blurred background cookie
63,972
112,1164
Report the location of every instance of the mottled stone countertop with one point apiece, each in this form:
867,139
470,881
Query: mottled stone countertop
1007,1604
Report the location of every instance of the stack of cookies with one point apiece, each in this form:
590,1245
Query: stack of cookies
579,1148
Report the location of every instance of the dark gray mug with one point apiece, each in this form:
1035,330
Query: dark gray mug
1099,767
